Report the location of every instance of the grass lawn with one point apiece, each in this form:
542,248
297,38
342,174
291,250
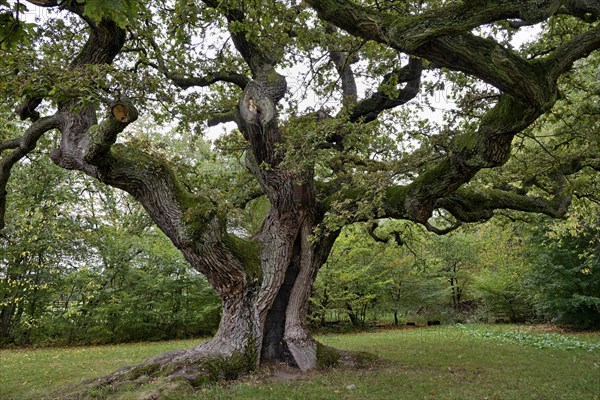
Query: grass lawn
447,362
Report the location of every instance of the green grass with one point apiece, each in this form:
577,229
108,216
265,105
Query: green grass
29,374
447,362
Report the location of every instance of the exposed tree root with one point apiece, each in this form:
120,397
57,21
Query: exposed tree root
183,371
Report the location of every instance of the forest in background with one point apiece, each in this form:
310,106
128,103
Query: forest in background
83,264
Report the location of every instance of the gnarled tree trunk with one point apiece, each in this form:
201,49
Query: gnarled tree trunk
263,319
263,282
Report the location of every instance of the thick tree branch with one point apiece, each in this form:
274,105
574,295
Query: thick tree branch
192,222
488,146
203,81
475,205
409,32
27,109
395,234
221,118
256,114
442,36
494,64
44,3
344,67
9,144
371,231
471,205
369,109
443,231
260,61
256,56
586,10
104,135
343,64
256,118
243,201
104,43
561,59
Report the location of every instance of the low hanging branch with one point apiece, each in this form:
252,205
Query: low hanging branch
20,148
442,231
472,206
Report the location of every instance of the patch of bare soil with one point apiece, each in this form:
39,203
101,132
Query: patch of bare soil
281,372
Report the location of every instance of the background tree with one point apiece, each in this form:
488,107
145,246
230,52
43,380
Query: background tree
378,269
320,168
97,270
502,282
454,259
564,269
33,247
353,280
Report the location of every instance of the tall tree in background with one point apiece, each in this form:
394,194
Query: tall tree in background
82,263
321,166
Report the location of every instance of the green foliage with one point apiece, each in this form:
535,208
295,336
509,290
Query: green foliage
365,280
566,269
503,271
505,295
81,263
122,12
13,30
350,282
455,259
34,241
501,284
538,341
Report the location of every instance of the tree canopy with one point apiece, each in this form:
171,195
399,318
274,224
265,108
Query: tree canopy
332,103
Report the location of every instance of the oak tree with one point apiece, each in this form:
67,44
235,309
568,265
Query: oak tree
318,92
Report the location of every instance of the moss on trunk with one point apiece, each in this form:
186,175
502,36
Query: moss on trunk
248,253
